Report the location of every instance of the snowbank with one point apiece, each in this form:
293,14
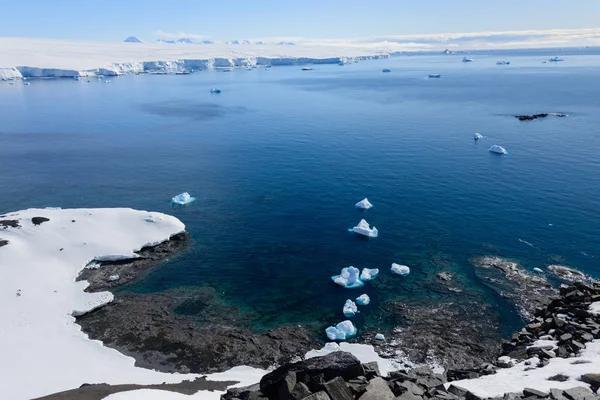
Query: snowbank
64,58
44,350
365,353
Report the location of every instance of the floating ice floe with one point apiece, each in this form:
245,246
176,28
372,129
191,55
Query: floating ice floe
348,278
386,70
364,204
478,136
363,300
380,336
350,308
400,269
368,274
342,331
182,199
538,270
498,149
213,90
435,75
113,278
363,229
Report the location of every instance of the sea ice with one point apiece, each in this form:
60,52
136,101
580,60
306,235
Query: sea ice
348,278
368,274
363,229
342,331
363,300
478,136
350,308
182,199
400,269
498,149
364,204
213,90
380,336
538,270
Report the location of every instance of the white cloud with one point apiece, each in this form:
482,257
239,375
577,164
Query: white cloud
180,35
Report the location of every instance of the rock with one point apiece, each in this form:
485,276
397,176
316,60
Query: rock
412,388
459,375
371,370
559,378
3,242
530,117
408,396
9,223
337,364
557,394
511,396
337,389
579,393
300,391
378,389
457,390
318,396
444,276
287,385
534,392
472,396
39,220
592,379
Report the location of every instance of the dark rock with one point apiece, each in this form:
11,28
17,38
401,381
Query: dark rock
444,276
412,388
530,117
559,378
397,376
378,389
472,396
300,391
457,390
317,383
39,220
337,389
508,346
534,392
459,375
9,223
577,346
3,242
511,396
565,337
371,370
286,387
337,364
579,393
407,396
592,379
318,396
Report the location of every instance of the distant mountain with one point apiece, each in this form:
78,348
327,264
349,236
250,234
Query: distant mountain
232,42
207,42
132,39
285,43
185,40
164,41
259,42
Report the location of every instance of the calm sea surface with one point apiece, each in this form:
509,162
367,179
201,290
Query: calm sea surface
279,158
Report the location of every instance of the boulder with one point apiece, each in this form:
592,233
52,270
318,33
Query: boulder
337,389
579,393
527,392
300,391
457,390
557,394
592,379
335,364
378,389
287,385
318,396
371,369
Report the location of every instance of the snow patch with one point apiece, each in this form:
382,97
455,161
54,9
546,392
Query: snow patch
365,353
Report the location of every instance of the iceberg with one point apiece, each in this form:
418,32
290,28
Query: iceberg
380,336
538,270
435,75
368,274
342,331
363,300
363,229
182,199
400,269
467,59
213,90
497,149
348,278
364,204
386,70
350,309
478,136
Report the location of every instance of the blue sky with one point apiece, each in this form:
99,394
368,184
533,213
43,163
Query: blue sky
233,19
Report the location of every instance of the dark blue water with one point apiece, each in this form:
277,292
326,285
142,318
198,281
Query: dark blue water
278,160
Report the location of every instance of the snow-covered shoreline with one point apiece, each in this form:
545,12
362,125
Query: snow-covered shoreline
47,58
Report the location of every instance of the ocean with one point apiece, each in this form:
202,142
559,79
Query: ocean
279,158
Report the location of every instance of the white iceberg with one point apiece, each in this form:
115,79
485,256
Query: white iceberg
478,136
363,300
368,274
380,336
538,270
182,199
400,269
350,308
113,278
498,149
215,90
363,229
348,278
364,204
342,331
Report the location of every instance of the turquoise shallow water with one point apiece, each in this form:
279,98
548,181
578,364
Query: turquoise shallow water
279,158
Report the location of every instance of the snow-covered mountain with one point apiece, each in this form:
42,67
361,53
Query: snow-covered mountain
132,39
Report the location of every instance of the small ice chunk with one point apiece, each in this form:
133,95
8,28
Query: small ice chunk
364,204
368,274
478,136
363,229
538,270
214,90
348,278
350,308
497,149
182,199
380,336
113,278
400,269
363,300
342,331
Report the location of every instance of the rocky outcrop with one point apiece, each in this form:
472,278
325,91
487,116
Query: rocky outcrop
538,116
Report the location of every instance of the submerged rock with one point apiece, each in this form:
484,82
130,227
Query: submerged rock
569,274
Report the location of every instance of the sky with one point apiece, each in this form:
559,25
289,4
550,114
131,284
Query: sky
112,20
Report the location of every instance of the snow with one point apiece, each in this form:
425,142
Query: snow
68,58
348,278
342,331
132,39
594,308
182,199
365,353
48,352
368,274
363,300
364,204
478,136
350,309
516,379
363,229
400,269
498,149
